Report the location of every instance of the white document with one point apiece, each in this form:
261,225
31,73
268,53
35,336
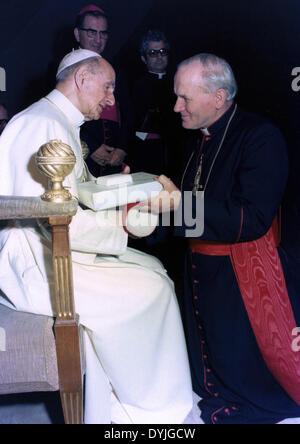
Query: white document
114,179
111,192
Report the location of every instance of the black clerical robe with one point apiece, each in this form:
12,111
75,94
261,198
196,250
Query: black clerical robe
156,127
244,185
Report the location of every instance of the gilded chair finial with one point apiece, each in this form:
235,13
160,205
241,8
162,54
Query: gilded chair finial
56,160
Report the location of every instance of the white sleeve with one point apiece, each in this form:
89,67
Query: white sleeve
91,232
98,232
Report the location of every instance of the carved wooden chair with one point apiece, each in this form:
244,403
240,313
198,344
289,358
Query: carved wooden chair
34,356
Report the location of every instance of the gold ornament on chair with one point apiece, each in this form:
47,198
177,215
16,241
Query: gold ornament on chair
56,160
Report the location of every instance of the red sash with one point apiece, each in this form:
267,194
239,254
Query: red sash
262,285
153,136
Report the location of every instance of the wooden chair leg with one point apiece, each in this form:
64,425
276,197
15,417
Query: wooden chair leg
69,371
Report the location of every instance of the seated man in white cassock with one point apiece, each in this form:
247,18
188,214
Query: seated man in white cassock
137,367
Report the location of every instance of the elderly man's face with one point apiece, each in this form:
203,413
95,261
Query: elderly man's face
97,91
93,35
156,57
3,118
198,108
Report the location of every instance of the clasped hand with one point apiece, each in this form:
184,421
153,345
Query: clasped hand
108,155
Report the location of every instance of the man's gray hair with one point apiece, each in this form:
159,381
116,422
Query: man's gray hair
92,64
217,74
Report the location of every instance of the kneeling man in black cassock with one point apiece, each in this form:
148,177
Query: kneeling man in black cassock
241,307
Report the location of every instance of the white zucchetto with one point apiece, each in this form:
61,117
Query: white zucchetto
77,55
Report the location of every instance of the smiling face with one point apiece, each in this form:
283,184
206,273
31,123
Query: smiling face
195,105
198,107
96,90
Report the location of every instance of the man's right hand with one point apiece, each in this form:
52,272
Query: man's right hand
103,155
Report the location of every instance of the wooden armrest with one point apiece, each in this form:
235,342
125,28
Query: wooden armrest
12,207
59,216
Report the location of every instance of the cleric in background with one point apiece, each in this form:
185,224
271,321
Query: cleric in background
106,137
156,127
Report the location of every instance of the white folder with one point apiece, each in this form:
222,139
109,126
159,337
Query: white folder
118,190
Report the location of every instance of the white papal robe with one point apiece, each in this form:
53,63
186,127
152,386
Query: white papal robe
137,366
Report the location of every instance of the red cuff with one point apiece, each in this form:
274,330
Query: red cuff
124,218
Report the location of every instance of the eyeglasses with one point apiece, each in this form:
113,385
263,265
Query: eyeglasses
154,52
92,33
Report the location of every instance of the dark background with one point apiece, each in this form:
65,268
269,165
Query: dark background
259,38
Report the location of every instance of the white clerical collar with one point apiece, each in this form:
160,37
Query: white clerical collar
205,131
67,107
160,75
